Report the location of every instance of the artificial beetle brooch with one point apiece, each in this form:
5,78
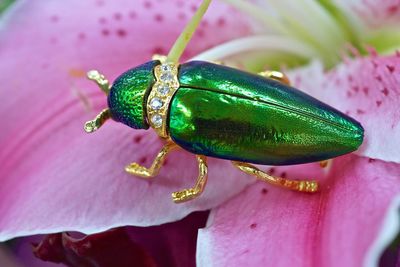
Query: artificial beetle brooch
213,110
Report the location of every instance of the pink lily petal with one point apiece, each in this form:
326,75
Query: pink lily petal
279,228
366,89
54,177
380,252
372,13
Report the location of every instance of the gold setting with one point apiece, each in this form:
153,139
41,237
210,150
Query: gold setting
160,97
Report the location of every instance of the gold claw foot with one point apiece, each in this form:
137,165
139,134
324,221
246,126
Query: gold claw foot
139,170
301,186
184,195
195,191
96,123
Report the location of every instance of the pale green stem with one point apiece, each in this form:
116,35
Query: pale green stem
180,44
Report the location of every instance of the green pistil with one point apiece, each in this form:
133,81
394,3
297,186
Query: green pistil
180,44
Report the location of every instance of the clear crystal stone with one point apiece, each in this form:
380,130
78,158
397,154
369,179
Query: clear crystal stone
167,77
156,120
163,89
166,68
156,103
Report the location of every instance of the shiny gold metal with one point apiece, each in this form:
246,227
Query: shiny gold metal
324,163
198,188
100,80
161,58
96,123
302,186
136,169
167,78
276,75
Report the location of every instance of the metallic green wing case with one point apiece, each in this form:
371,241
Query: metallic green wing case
230,114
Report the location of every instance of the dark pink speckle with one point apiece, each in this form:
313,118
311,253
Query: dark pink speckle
132,14
221,22
121,33
158,50
264,191
102,20
390,68
147,4
54,18
137,139
81,36
272,171
105,32
117,16
158,17
142,160
392,10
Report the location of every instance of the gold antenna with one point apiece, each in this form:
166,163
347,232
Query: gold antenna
100,80
104,115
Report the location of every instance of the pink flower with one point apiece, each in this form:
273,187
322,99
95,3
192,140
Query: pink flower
55,178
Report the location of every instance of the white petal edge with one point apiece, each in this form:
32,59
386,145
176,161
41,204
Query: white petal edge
257,43
204,247
389,230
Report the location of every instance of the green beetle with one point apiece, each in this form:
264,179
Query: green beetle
216,111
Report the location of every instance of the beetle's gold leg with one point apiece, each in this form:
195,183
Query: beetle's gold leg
302,186
195,191
276,75
100,80
136,169
96,123
324,163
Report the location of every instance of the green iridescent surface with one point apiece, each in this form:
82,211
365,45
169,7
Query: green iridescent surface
127,98
226,113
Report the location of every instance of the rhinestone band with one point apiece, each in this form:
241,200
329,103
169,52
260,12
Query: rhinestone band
160,96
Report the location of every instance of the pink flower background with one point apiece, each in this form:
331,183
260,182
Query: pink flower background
56,178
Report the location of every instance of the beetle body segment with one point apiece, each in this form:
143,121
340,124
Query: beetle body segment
230,114
128,95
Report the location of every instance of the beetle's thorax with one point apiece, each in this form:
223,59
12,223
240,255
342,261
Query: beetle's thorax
160,96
